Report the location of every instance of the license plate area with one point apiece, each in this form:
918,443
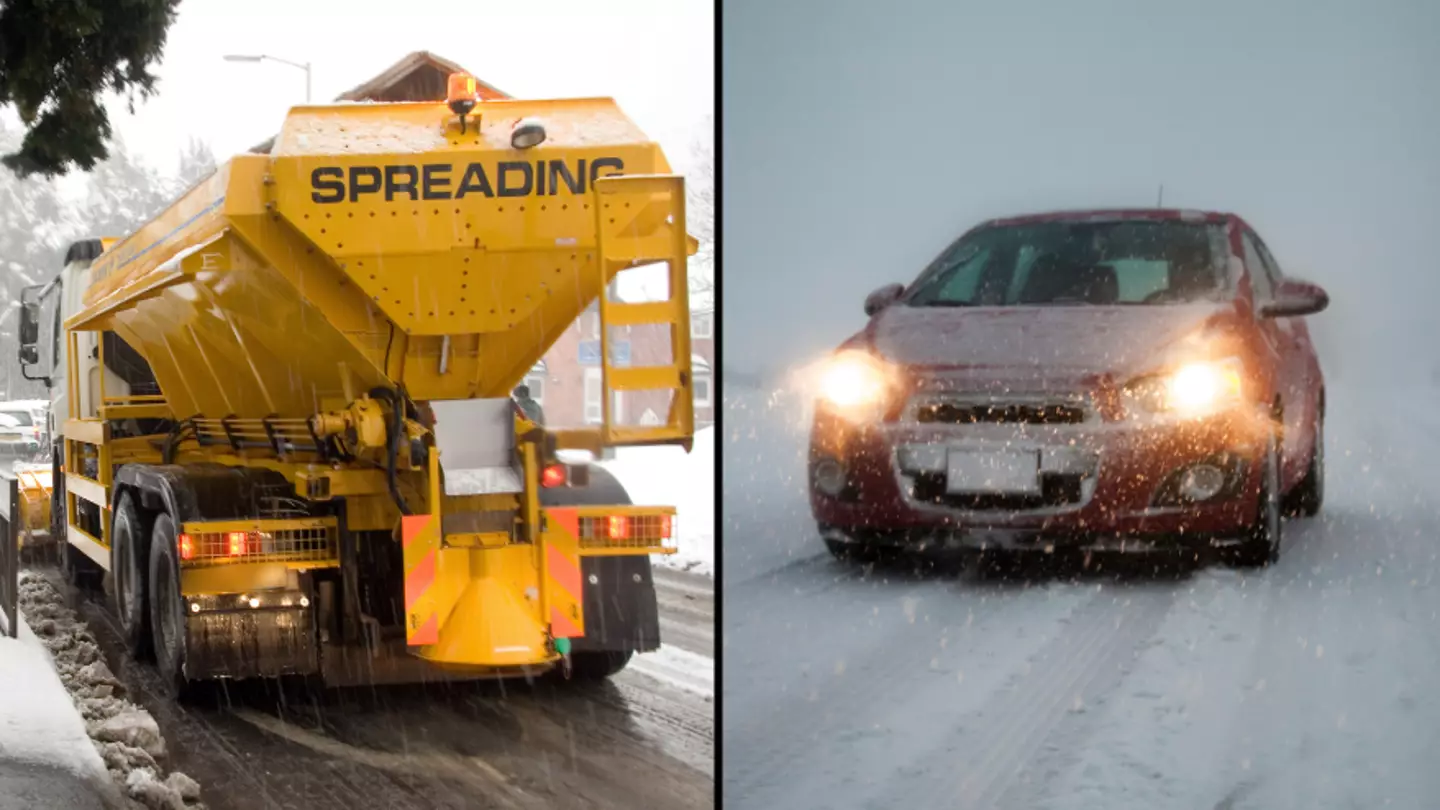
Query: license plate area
993,472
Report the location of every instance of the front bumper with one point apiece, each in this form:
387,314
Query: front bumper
1103,483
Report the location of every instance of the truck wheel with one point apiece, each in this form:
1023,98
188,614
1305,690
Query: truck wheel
167,608
1261,545
597,666
127,571
604,488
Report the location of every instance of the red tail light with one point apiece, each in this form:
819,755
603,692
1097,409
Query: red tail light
235,544
665,527
553,476
187,547
617,527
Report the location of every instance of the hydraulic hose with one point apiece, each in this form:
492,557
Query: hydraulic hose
392,442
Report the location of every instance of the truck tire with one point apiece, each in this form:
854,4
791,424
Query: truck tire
128,558
597,666
167,607
604,488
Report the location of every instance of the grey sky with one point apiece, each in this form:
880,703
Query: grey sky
655,57
860,137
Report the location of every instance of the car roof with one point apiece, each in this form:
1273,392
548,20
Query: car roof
1104,214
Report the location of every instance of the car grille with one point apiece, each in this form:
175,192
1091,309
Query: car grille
1000,413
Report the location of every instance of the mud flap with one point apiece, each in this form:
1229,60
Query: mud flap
621,611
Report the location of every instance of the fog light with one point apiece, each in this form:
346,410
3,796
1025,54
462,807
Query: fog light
1201,482
829,477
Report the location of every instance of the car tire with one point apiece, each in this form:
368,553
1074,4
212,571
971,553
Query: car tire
128,565
841,550
1262,540
1309,495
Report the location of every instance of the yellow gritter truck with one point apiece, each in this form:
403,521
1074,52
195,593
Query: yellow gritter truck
284,442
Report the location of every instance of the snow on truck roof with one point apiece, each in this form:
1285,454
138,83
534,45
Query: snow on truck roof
411,128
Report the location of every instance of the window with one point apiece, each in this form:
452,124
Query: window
1260,279
21,418
593,392
700,381
536,382
701,325
590,323
1272,267
1080,261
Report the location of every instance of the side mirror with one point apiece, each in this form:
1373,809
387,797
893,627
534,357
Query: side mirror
1295,299
29,324
883,297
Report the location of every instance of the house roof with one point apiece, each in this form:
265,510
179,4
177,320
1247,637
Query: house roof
414,65
419,76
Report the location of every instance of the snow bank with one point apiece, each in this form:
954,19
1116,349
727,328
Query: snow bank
668,476
125,736
38,723
767,435
679,668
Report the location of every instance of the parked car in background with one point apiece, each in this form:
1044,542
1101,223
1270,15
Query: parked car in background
17,440
33,416
1094,380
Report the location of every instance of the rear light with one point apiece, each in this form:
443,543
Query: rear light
235,544
187,547
665,527
617,527
553,476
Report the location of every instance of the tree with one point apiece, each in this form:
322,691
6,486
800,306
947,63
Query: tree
700,211
124,194
58,59
197,162
35,226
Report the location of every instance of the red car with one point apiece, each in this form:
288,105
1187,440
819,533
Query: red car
1097,380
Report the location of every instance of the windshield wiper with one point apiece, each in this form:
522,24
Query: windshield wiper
939,303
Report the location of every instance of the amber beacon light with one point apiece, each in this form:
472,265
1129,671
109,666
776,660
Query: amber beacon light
461,94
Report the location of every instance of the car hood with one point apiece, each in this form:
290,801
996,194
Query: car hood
1068,341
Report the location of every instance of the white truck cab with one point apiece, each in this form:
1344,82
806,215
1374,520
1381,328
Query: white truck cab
44,310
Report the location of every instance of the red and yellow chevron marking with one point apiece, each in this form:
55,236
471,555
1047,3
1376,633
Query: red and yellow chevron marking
420,536
565,583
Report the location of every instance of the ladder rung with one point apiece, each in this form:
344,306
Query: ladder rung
618,314
652,183
643,378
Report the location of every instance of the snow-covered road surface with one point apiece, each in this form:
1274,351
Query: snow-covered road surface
1312,684
643,739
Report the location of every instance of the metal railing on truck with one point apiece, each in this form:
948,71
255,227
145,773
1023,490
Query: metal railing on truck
9,553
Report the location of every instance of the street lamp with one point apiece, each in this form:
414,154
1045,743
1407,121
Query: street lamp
236,57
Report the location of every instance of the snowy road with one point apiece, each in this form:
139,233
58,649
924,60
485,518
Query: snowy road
645,739
1312,684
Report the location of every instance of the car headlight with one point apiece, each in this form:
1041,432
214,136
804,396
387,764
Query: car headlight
856,384
1194,389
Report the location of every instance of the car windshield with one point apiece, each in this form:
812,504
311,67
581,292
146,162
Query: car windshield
20,417
1066,263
